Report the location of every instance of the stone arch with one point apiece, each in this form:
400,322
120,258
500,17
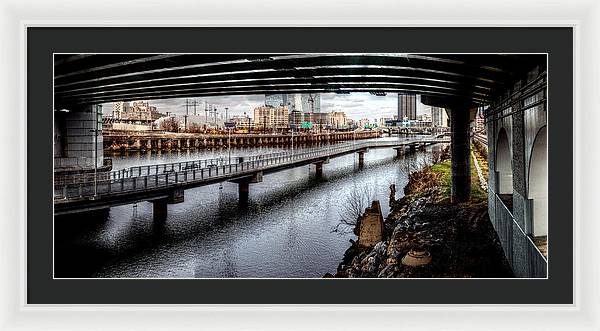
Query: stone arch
537,189
503,163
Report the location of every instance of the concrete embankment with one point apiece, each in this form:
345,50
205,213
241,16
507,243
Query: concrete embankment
426,236
125,141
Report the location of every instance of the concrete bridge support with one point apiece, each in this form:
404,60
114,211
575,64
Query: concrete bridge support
159,209
460,154
361,159
244,186
319,169
78,141
399,151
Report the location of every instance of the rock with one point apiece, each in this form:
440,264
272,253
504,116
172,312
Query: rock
387,271
369,266
380,248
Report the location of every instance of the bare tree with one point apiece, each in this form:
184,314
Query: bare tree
353,207
414,163
170,124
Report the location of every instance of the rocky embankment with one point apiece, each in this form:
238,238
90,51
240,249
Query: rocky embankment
427,236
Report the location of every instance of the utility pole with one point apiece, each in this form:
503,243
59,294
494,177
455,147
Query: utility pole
229,143
206,112
187,104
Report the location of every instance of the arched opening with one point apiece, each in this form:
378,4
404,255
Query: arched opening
503,164
538,184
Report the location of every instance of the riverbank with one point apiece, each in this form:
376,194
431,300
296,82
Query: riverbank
115,141
425,236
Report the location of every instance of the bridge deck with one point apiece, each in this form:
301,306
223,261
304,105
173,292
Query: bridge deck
154,181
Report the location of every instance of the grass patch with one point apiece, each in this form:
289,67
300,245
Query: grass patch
444,168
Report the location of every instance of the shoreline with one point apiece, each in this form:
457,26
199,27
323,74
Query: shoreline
425,236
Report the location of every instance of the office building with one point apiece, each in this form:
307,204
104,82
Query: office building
439,117
407,106
271,118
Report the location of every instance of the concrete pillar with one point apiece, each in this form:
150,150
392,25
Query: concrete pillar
75,142
361,159
319,169
399,151
159,209
244,186
244,191
460,153
412,148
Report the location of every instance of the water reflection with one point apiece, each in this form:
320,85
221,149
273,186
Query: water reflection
285,231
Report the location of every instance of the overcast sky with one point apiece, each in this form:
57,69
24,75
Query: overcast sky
355,105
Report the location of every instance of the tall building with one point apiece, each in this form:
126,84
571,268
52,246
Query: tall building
294,102
311,102
271,118
439,117
276,100
407,106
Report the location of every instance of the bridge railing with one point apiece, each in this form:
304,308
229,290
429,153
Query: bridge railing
521,252
163,175
162,168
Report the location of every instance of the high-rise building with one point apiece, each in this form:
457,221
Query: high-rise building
439,117
294,102
311,102
407,106
271,118
276,100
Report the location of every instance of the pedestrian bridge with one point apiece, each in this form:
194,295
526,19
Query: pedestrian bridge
165,183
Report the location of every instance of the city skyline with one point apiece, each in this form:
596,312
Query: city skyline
357,105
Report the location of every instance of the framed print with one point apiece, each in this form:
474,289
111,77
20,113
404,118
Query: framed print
424,171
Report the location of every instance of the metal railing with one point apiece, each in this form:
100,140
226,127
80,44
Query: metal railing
521,252
157,176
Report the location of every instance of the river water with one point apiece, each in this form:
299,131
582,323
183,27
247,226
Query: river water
287,229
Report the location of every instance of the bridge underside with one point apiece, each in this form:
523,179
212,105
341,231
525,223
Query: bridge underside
457,82
94,79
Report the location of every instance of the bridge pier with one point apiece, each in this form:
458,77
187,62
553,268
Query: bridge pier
460,155
412,148
361,159
244,186
159,209
399,151
319,169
